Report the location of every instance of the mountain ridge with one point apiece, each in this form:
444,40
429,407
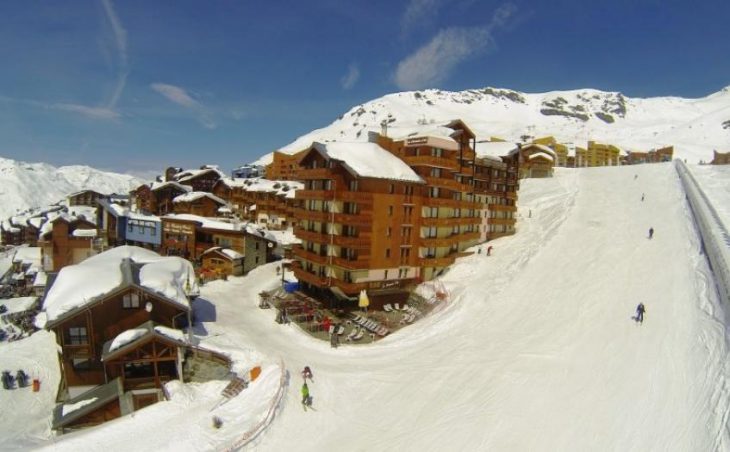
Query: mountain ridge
693,126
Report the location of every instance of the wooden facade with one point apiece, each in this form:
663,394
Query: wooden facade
85,198
368,233
720,158
535,160
221,263
156,198
284,166
82,333
267,202
198,203
199,180
63,245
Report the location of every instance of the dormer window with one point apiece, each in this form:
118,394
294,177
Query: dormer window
130,301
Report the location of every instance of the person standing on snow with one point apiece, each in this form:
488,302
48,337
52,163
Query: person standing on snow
640,309
305,394
651,232
642,196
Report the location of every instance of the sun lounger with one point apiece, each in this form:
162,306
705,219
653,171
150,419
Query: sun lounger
388,308
405,307
397,307
359,335
353,333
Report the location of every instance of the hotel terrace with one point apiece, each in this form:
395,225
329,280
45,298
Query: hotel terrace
393,212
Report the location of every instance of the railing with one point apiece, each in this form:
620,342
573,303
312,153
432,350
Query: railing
437,261
503,221
314,173
310,256
356,264
449,221
427,160
451,184
310,278
714,234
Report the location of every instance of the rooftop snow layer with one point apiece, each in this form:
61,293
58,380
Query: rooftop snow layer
82,284
369,160
193,195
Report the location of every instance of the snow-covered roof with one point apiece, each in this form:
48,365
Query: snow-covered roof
208,223
28,255
160,185
369,160
116,346
399,133
18,304
36,222
541,147
125,337
192,174
541,154
193,195
487,149
40,280
115,209
82,284
231,254
84,233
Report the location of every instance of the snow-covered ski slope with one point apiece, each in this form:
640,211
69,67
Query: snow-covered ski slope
536,349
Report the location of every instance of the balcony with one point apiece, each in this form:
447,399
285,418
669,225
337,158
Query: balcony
351,242
502,208
437,261
303,275
362,262
311,236
310,256
359,219
504,221
451,221
325,195
427,160
314,173
450,184
312,215
439,242
358,196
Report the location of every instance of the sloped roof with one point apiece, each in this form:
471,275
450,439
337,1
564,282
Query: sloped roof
139,334
368,160
88,402
193,195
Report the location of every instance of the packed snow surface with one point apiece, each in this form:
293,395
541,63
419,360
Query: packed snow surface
126,337
535,348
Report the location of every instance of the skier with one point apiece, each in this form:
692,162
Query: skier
306,401
489,250
529,214
480,250
651,232
642,197
640,310
307,373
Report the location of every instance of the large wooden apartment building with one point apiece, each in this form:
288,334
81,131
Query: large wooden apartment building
394,212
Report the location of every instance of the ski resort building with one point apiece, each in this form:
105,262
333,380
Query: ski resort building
720,158
534,160
284,166
199,203
116,318
67,240
394,212
270,203
156,198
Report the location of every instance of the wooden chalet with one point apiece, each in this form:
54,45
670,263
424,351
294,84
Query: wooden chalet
199,203
535,160
189,236
720,158
69,241
85,198
200,180
285,166
222,262
156,198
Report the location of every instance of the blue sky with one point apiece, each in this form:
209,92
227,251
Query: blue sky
139,85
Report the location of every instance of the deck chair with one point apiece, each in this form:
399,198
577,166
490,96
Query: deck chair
388,308
397,307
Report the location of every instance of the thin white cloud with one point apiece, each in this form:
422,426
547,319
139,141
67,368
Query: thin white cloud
419,13
92,112
434,62
181,97
352,76
120,41
175,94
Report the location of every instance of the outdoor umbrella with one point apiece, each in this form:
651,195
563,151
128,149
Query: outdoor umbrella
363,302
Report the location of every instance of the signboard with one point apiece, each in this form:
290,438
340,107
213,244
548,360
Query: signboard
177,228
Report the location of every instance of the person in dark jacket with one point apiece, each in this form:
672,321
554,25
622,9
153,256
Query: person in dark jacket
640,310
651,232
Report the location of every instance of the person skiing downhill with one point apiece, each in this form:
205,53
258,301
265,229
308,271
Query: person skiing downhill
640,309
306,400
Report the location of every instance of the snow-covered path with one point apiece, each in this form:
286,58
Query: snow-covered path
537,350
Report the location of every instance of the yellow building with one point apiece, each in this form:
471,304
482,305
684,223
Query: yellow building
599,154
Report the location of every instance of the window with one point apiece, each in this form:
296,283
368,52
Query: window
435,172
391,189
390,211
353,185
130,300
408,190
433,192
387,252
388,232
257,246
77,336
437,152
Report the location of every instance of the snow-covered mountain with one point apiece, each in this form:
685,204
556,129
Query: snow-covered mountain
26,186
693,126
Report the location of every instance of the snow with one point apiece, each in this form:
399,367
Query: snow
369,160
692,126
126,337
231,253
70,408
208,223
18,304
171,333
159,185
81,284
34,185
194,195
534,350
715,182
494,149
544,155
84,233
